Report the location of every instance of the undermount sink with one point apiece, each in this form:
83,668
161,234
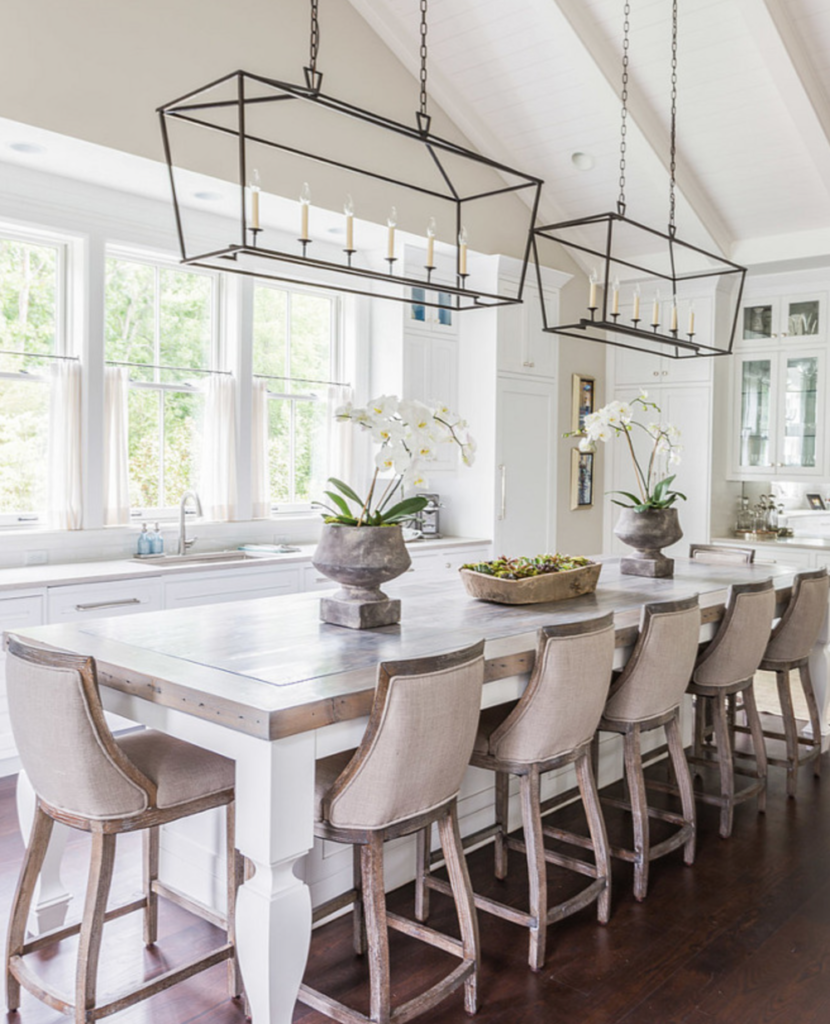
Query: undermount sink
197,557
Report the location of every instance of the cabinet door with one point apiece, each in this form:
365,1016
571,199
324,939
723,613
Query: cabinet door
186,591
690,410
759,320
100,600
540,347
640,369
799,434
802,317
15,613
525,456
755,407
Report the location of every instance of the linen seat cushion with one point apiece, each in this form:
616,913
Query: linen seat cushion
181,771
326,772
489,720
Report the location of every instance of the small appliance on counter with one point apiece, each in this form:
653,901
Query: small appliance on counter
429,519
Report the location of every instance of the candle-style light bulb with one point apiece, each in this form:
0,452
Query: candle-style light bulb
462,251
691,318
635,311
592,290
615,296
305,203
255,188
348,209
673,324
391,222
655,310
431,227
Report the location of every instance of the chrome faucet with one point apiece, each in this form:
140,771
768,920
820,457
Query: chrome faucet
184,543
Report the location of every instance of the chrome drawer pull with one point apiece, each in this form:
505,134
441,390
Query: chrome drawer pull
107,604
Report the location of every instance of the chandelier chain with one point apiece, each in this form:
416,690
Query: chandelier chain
423,76
673,143
624,112
314,41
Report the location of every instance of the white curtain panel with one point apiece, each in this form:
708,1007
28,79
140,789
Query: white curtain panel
260,488
341,435
65,484
116,447
218,480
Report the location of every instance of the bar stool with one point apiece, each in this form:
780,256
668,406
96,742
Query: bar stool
790,647
552,725
405,774
646,696
88,780
717,554
726,667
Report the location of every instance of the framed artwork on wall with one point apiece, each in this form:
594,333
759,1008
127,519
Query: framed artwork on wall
582,400
582,479
815,501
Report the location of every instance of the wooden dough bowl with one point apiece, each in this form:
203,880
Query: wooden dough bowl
551,586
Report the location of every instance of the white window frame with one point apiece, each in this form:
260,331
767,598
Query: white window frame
37,517
159,262
336,361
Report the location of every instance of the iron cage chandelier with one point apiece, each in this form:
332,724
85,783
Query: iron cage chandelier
604,236
253,117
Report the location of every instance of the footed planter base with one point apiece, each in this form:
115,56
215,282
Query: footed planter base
655,567
353,610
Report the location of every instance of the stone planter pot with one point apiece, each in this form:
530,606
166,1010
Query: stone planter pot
647,532
360,559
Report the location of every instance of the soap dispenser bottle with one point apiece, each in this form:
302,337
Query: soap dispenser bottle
156,541
144,542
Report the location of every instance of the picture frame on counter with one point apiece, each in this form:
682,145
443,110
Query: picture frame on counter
583,400
815,501
582,480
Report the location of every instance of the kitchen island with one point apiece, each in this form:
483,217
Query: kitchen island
265,683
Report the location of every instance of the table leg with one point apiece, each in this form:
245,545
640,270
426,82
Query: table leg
820,674
51,900
274,822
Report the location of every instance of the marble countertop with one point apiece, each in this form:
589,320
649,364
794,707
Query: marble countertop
808,543
79,573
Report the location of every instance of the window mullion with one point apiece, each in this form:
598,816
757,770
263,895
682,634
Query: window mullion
292,493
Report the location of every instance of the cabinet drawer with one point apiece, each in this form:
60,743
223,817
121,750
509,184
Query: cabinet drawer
799,559
214,588
99,600
313,579
17,612
447,562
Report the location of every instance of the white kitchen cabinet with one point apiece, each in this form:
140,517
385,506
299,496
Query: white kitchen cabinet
99,600
525,467
778,413
16,611
186,591
774,317
649,371
430,374
523,346
446,562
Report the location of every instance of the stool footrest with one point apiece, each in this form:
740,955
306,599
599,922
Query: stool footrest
658,813
420,931
484,903
191,905
59,934
581,867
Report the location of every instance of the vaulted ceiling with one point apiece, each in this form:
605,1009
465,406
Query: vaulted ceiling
536,81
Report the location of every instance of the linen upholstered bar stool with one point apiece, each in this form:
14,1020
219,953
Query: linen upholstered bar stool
88,780
404,776
645,696
551,726
726,668
789,648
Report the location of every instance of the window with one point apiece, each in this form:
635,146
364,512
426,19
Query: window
295,349
161,321
32,323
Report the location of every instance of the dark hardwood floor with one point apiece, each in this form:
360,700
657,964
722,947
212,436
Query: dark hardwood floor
743,937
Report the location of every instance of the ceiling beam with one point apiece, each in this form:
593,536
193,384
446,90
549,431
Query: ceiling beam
791,70
642,117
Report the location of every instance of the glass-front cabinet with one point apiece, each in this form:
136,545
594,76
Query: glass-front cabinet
779,414
800,317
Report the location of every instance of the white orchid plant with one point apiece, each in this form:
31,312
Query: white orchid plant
410,434
617,420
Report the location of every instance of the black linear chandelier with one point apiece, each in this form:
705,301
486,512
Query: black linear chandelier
241,125
607,236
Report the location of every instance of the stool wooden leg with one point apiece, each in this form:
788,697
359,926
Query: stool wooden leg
683,779
423,841
150,856
502,814
536,866
235,877
92,926
596,826
756,728
358,909
462,892
374,902
29,872
790,730
812,707
727,775
639,809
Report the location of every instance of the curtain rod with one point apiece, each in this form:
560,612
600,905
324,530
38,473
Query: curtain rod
303,380
164,366
36,355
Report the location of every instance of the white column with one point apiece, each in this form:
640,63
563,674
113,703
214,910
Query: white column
820,673
51,899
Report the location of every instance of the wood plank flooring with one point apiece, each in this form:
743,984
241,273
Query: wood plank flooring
742,937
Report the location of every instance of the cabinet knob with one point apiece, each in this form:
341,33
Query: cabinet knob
665,373
656,373
449,565
528,364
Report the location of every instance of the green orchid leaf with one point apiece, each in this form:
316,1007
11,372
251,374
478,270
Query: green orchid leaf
406,508
339,502
344,489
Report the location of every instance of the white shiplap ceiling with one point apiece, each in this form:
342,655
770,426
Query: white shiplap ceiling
533,81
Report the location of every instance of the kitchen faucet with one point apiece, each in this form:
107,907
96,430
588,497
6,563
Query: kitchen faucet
184,543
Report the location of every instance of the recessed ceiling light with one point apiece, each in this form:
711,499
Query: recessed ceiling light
582,161
27,147
208,197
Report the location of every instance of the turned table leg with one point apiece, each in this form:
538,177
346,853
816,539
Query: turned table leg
820,674
51,900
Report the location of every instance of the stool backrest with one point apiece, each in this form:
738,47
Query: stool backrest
562,703
739,644
417,744
658,671
716,554
796,634
65,745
